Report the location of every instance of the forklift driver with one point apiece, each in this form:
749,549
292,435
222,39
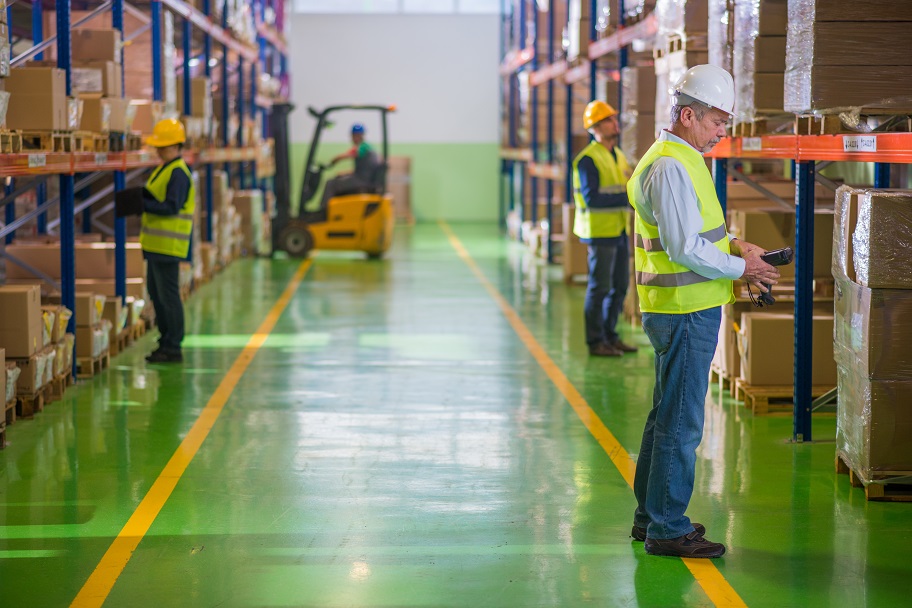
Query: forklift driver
364,178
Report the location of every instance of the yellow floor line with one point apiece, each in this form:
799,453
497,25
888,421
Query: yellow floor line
96,589
704,571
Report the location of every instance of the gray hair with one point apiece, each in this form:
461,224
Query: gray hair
681,102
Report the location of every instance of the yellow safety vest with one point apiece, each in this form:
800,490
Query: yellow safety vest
662,285
601,223
168,234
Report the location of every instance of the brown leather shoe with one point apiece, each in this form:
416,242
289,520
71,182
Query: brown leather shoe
603,350
689,545
639,533
625,348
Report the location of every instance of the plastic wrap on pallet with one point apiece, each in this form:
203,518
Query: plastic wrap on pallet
4,106
681,17
758,63
882,241
48,318
64,315
873,329
719,33
845,218
12,378
60,358
5,53
873,424
843,54
70,340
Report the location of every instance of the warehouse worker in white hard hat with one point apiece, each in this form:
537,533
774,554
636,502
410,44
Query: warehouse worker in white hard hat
600,175
685,262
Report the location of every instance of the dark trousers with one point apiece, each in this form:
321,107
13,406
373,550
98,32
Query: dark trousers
342,185
609,275
164,289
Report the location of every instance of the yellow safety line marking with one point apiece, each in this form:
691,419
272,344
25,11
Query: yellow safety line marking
99,585
718,589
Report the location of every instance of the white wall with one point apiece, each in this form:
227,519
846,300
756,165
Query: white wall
440,71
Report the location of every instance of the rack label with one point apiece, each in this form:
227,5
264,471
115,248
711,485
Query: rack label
101,159
37,160
859,143
752,144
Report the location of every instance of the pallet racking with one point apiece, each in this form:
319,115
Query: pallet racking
520,53
240,62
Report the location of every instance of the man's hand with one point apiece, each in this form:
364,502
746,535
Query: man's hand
757,272
743,248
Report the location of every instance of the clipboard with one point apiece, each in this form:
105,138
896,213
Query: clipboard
128,201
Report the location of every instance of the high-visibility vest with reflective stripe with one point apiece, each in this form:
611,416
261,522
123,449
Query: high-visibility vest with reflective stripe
168,234
601,223
664,286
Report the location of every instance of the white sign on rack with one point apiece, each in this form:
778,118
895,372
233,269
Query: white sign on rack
859,143
101,159
751,144
37,161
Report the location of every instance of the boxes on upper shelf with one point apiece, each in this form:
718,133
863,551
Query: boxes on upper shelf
38,100
21,320
96,45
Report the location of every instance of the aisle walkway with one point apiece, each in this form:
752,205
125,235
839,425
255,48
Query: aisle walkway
398,440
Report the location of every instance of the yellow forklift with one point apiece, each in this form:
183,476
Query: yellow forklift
362,221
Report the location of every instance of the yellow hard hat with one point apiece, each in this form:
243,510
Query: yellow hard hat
596,112
167,132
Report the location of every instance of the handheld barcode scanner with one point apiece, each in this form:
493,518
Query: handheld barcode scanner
779,257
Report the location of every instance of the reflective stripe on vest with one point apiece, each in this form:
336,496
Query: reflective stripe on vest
593,222
664,286
168,234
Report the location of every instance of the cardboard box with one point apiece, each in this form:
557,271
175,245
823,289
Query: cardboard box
776,229
3,377
38,100
772,18
200,97
873,330
21,320
767,350
575,255
93,260
136,287
32,373
89,308
846,218
116,314
96,114
854,10
874,423
91,342
122,115
873,87
769,54
882,240
639,87
768,91
103,77
96,45
146,114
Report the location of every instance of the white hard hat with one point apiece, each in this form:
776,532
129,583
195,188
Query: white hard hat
709,84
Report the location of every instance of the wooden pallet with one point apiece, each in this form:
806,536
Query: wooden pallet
762,400
60,384
48,141
10,142
9,412
833,124
725,381
122,341
124,142
764,125
88,367
138,329
30,404
89,141
674,43
877,489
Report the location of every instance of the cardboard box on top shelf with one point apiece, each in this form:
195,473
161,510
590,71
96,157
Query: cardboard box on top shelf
89,308
101,77
122,115
767,350
773,229
96,45
21,321
146,114
201,97
96,114
38,100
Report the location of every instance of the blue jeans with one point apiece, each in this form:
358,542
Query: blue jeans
609,273
664,481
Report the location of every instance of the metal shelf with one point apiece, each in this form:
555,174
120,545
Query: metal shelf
875,148
202,22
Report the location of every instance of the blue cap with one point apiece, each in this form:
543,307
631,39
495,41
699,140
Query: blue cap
357,128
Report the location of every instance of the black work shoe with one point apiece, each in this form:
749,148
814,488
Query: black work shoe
603,350
161,356
639,533
624,348
689,545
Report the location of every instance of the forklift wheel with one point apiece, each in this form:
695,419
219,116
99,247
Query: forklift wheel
296,240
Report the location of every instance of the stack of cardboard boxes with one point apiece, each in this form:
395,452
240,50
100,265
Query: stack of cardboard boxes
399,185
198,118
26,336
638,120
681,42
93,330
759,58
872,263
4,62
255,224
848,53
226,223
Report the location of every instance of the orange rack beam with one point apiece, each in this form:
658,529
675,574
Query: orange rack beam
858,147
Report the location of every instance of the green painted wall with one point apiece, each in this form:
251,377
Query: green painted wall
453,182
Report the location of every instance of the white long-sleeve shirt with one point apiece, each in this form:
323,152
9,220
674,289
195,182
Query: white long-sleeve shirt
671,203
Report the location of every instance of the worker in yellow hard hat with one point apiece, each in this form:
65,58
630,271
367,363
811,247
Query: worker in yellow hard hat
169,200
600,175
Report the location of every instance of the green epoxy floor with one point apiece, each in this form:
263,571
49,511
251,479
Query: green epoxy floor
395,444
